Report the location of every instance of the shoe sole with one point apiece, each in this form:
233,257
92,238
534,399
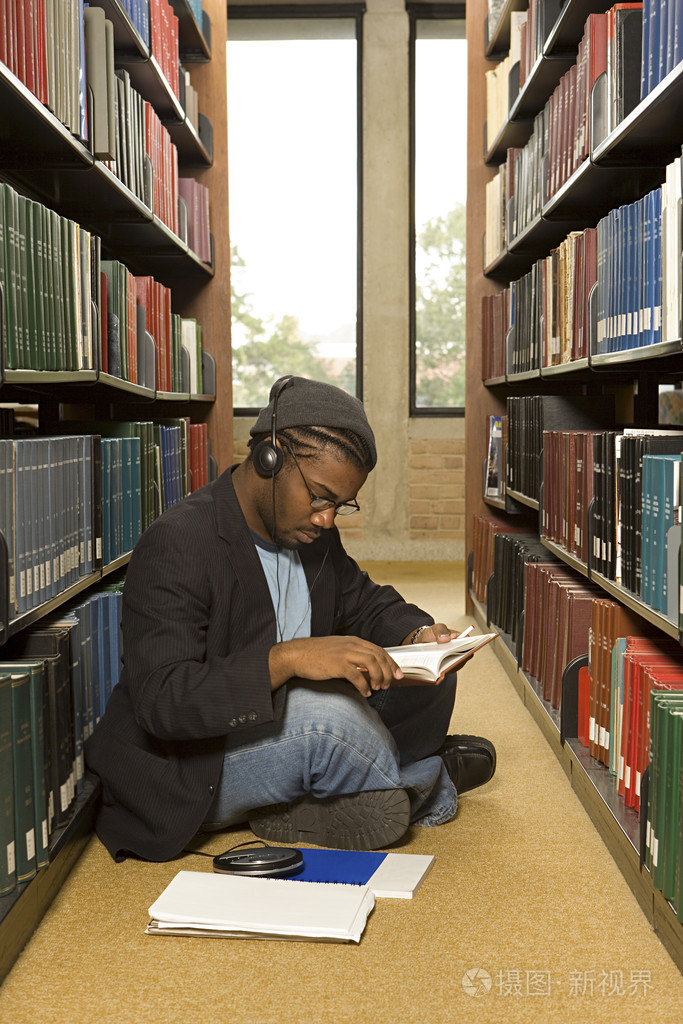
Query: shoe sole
357,821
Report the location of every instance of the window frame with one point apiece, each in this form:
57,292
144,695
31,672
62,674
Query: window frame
421,12
350,11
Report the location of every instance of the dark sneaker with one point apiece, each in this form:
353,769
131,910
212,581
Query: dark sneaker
357,821
470,761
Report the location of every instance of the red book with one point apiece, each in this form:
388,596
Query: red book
3,31
40,50
131,295
641,652
583,709
596,35
20,43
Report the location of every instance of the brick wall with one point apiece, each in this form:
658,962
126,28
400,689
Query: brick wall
437,489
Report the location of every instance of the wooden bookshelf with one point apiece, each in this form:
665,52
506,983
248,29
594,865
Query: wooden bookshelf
618,825
43,160
621,168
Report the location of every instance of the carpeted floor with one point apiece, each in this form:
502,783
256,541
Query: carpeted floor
524,916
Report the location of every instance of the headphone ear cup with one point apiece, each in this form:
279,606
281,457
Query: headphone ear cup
267,459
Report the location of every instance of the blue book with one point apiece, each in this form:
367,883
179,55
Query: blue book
653,78
396,875
656,266
113,603
117,498
102,613
678,32
136,490
617,704
648,297
106,500
601,285
670,36
127,492
82,613
644,78
632,259
638,274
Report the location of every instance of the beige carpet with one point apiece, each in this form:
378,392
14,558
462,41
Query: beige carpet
522,889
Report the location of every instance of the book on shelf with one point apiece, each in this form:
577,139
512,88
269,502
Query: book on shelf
43,45
231,906
61,671
48,516
8,872
164,38
662,47
496,322
649,664
163,156
428,663
139,13
24,790
529,416
557,615
664,833
485,529
567,466
196,199
601,715
506,585
495,468
48,263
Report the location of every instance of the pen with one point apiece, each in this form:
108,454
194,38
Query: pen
464,632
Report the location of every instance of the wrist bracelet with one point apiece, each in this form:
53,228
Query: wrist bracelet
418,633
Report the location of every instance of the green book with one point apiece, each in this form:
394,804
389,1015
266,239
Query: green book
678,896
29,285
24,812
39,751
23,284
8,874
672,786
69,298
38,284
13,348
661,793
51,309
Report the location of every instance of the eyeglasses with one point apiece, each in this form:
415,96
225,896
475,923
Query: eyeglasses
341,508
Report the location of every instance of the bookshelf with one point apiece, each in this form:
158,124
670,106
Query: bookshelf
622,166
47,163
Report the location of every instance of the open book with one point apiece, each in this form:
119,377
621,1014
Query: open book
429,663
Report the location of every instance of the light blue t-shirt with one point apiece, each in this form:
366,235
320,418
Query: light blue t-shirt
288,589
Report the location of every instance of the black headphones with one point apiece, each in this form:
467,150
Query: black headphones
266,456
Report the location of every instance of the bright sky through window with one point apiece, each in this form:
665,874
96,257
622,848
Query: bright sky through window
292,124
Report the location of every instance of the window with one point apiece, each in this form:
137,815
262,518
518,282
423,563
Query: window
293,137
439,184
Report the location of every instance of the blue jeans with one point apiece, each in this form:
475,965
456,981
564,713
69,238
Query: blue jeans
330,741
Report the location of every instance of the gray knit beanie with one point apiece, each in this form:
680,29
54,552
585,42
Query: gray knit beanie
310,403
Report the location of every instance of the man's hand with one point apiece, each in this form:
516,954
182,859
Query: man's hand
439,633
364,665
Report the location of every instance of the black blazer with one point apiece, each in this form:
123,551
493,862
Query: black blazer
198,623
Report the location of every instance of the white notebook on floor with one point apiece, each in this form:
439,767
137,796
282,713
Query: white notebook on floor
204,903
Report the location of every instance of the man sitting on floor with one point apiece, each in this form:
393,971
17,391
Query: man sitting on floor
255,686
